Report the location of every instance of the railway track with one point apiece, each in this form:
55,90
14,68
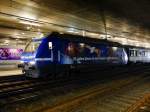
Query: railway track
119,102
123,101
29,89
21,88
141,105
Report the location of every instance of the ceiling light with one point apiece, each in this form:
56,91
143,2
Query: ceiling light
6,41
28,27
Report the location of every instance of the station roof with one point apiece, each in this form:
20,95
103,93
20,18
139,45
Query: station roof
126,21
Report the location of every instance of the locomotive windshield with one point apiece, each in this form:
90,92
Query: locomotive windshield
32,46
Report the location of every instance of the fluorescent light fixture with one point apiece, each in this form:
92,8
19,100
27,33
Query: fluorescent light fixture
72,30
30,23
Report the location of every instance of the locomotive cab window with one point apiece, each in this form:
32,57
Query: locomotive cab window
32,46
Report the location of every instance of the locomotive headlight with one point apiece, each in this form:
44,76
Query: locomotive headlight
28,57
22,62
32,62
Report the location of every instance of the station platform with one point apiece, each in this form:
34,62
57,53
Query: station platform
10,72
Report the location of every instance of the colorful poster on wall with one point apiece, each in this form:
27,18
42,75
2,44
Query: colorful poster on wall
10,53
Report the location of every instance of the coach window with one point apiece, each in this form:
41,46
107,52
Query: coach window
136,53
146,53
132,53
143,53
139,53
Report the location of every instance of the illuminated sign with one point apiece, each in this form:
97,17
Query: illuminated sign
10,53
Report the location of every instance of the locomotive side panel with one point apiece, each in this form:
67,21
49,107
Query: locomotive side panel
88,53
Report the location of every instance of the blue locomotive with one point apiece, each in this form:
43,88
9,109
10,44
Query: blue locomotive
62,53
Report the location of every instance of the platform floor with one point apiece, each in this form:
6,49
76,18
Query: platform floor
10,72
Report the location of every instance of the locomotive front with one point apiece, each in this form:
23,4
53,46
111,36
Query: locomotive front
28,58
